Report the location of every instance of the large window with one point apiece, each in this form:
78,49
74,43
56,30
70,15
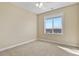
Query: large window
53,25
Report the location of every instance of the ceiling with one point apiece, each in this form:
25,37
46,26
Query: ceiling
47,6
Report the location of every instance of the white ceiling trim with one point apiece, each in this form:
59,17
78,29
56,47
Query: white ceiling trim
47,6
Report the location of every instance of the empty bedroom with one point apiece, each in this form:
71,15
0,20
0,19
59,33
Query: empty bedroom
39,29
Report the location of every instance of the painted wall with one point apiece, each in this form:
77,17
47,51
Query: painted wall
70,30
78,24
16,25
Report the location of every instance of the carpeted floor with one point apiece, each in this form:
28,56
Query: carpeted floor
36,48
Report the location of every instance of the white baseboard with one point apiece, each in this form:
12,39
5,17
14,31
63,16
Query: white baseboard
12,46
58,43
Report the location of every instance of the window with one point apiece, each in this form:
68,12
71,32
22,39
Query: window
53,25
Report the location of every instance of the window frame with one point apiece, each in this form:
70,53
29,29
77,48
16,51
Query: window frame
53,16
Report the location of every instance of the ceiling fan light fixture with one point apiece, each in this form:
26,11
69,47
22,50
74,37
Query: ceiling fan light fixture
39,5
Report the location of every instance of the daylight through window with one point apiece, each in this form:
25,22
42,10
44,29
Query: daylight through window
53,25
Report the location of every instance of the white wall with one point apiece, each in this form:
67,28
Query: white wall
16,25
70,26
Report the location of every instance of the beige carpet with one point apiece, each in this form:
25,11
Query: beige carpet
36,48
